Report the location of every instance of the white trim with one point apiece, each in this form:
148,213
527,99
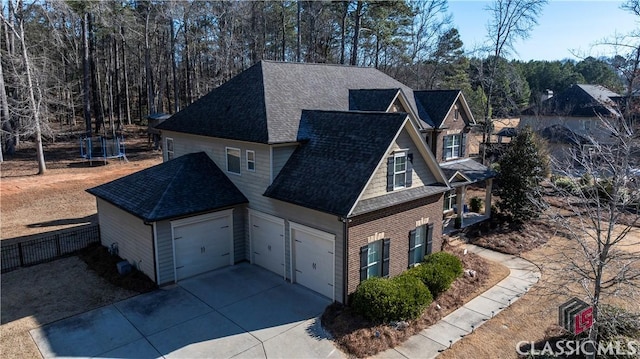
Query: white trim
400,154
196,219
316,233
155,250
276,220
458,173
405,103
226,159
247,160
166,148
270,165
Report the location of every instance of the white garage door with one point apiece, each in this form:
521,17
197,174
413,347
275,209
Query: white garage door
202,244
314,259
267,242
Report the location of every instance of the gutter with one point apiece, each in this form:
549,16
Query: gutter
345,259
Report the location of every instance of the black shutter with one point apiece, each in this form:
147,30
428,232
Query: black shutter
463,140
412,244
409,174
364,261
429,243
390,174
444,147
385,257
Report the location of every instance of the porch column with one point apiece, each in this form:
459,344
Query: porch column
488,184
460,206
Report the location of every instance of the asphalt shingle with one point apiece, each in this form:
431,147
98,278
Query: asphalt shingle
474,170
338,154
435,104
187,185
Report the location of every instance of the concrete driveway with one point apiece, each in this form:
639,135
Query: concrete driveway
241,311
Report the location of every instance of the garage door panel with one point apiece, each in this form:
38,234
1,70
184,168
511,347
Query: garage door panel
202,246
267,237
314,261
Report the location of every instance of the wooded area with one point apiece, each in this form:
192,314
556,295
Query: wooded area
96,65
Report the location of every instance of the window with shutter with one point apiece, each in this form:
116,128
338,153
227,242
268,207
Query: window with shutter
417,245
374,259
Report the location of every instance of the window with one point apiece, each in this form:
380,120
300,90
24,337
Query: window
453,147
449,200
374,259
233,160
169,147
420,243
251,161
399,171
456,113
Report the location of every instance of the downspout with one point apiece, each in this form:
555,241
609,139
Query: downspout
154,236
345,260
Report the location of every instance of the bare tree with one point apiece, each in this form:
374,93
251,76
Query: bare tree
599,210
511,20
34,92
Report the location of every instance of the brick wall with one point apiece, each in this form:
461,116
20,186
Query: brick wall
451,127
395,222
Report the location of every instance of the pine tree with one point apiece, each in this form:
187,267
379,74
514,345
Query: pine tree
522,169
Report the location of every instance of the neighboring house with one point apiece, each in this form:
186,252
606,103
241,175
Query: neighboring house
323,174
578,109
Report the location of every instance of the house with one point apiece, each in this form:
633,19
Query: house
579,109
324,174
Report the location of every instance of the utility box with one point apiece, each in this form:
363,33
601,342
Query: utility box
124,267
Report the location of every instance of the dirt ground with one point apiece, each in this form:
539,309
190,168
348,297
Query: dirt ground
34,296
31,204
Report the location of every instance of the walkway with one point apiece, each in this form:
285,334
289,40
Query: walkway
430,342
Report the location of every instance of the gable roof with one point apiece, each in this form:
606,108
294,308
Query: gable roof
579,101
435,104
187,185
340,151
263,104
562,134
468,168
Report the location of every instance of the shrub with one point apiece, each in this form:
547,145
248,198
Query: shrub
475,204
438,271
565,184
383,300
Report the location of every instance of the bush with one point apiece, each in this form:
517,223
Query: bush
565,184
384,300
475,204
438,271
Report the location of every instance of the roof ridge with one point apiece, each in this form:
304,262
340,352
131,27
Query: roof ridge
170,183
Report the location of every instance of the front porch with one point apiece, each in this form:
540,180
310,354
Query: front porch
468,219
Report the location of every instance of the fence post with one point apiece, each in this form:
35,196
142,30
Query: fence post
20,255
58,250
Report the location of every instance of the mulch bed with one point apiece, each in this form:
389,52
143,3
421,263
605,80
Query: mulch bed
104,264
508,239
361,338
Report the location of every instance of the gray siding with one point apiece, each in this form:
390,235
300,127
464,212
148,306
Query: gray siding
240,247
583,126
281,155
253,185
164,247
134,238
421,176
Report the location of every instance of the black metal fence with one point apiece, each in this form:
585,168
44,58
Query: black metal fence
27,251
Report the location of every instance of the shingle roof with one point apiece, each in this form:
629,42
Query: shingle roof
562,134
472,169
578,101
371,99
339,153
263,103
435,104
397,197
187,185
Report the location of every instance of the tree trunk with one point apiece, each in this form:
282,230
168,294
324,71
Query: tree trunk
176,97
42,167
299,33
86,71
96,93
126,77
5,114
147,65
356,34
343,30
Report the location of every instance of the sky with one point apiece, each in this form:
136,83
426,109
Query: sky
565,29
